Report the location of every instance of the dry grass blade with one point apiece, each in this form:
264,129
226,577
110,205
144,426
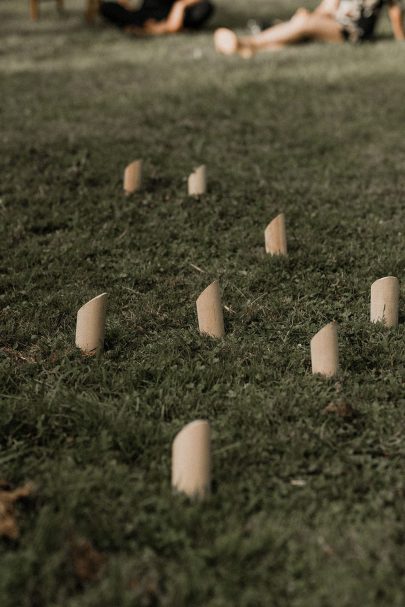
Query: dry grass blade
18,356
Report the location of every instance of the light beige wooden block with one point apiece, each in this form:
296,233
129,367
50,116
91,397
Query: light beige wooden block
90,325
325,351
34,8
197,182
209,311
133,177
385,301
191,460
275,236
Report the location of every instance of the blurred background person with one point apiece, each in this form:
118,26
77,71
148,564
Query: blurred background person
333,21
157,17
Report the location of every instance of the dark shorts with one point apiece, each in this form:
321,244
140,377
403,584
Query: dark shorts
359,30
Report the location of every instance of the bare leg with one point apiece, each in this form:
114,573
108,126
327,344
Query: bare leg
302,26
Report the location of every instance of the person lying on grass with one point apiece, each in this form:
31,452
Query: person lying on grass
156,17
333,21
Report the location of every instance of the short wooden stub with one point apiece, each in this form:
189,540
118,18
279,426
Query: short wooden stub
133,177
385,301
91,10
325,351
191,460
90,326
275,236
209,311
197,182
34,9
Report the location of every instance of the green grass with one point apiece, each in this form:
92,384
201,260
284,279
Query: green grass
316,132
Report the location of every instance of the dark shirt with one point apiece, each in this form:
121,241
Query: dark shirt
154,9
359,17
157,10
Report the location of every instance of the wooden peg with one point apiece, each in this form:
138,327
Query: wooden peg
209,311
191,460
325,351
133,177
197,182
385,301
90,326
91,11
34,9
275,236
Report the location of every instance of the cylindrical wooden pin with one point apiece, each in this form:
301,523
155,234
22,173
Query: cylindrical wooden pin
325,351
275,236
385,301
209,311
191,460
90,325
34,9
92,9
197,182
133,177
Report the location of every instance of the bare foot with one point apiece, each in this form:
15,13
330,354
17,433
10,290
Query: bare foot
228,43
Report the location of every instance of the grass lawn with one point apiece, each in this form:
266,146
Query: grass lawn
307,509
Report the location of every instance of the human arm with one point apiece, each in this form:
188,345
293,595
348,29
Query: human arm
327,8
173,23
397,20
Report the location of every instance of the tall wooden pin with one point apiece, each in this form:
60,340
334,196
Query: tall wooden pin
197,181
34,8
191,460
275,236
90,325
325,351
92,9
133,177
385,301
209,311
